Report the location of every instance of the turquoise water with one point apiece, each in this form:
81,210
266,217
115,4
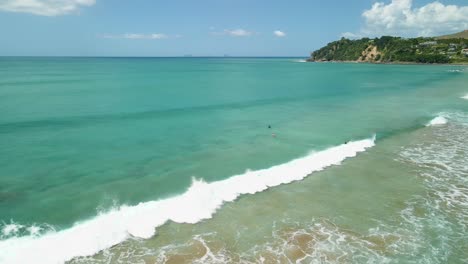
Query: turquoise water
82,136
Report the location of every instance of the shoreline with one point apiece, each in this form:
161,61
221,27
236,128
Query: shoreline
391,63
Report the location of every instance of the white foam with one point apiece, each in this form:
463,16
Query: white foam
465,97
199,202
300,61
438,121
10,229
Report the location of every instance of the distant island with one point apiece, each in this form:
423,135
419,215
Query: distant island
386,49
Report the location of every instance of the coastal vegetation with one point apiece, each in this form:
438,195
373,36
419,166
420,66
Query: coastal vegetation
388,49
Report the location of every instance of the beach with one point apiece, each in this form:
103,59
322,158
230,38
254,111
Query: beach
232,160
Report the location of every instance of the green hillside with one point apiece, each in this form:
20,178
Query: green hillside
463,34
388,49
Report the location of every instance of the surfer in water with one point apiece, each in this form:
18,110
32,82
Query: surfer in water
272,134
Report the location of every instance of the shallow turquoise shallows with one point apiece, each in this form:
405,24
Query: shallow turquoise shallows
83,136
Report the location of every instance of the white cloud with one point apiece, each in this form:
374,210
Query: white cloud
44,7
279,33
237,32
138,36
400,18
350,35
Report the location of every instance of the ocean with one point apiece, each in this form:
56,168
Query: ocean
232,160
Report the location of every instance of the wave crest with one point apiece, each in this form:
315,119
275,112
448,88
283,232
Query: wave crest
199,202
437,121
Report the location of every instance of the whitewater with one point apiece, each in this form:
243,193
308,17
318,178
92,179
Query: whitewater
199,202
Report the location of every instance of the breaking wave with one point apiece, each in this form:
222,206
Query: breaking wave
199,202
431,227
437,121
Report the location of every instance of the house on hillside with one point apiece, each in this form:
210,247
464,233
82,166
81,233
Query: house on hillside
452,47
428,43
465,52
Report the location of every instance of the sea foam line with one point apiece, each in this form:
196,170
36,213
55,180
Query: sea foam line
437,121
199,202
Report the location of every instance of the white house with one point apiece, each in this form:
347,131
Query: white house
428,43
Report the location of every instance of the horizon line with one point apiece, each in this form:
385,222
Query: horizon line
183,56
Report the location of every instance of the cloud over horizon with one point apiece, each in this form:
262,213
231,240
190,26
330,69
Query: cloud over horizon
401,18
279,33
138,36
45,7
239,32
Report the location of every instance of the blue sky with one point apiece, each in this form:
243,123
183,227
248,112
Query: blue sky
212,27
